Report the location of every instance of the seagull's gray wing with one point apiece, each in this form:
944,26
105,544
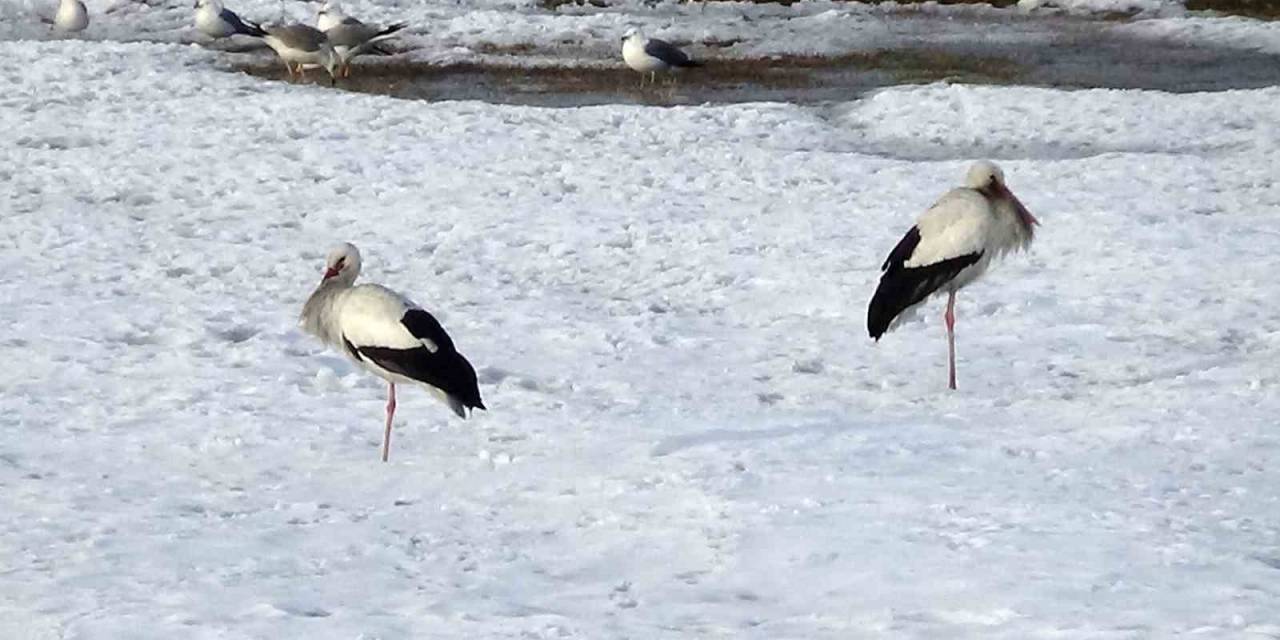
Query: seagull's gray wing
360,35
299,36
668,53
350,33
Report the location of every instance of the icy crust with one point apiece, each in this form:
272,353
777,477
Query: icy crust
528,33
1086,7
1225,31
689,434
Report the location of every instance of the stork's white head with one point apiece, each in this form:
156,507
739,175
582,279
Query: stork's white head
983,173
987,178
342,264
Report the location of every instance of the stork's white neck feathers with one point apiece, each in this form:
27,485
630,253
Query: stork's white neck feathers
320,313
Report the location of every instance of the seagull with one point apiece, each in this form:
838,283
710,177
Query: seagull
651,55
299,44
215,21
393,338
951,245
349,36
329,15
71,16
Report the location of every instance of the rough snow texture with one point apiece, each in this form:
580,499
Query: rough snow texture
523,32
1105,6
690,434
1240,33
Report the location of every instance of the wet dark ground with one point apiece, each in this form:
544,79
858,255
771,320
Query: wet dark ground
1047,52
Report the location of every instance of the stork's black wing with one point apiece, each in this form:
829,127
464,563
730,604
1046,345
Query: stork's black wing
901,286
444,368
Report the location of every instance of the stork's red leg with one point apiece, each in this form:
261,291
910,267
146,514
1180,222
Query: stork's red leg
391,413
950,318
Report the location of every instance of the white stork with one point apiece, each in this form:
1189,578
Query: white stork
385,333
951,245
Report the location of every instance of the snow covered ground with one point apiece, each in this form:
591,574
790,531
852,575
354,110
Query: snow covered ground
689,434
443,31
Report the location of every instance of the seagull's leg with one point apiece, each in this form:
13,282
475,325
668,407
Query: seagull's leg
391,413
950,318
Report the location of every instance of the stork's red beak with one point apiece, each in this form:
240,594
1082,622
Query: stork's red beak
330,272
1022,211
1026,216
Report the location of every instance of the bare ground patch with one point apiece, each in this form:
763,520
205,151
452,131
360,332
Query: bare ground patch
718,80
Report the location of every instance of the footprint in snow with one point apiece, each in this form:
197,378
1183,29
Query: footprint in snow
492,375
495,375
622,598
235,334
302,610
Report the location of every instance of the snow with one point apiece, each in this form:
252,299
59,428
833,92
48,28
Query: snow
488,30
689,433
1227,31
1150,7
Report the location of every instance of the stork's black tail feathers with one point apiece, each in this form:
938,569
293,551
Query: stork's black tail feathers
892,297
466,391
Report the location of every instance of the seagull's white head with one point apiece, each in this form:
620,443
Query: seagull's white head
632,33
212,5
342,264
331,60
329,15
331,9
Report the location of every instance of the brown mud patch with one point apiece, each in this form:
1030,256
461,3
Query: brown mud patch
783,78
